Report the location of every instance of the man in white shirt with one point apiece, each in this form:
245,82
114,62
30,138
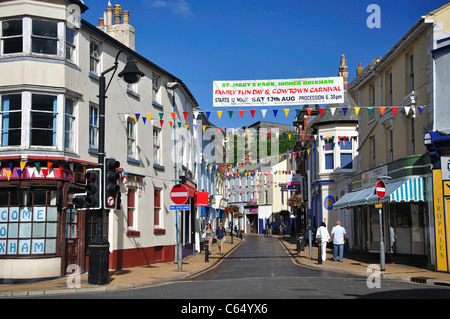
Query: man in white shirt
338,235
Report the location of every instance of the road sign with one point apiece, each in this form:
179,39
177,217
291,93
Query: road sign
179,194
180,207
380,189
110,201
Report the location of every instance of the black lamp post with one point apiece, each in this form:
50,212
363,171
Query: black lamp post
99,246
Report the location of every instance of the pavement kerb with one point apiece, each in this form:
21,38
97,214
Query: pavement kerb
387,276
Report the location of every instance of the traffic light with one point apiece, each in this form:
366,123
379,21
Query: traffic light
93,188
111,185
79,201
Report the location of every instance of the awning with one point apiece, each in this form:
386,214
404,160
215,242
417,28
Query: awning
410,190
354,198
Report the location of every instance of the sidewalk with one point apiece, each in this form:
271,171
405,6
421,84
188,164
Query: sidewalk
135,277
357,264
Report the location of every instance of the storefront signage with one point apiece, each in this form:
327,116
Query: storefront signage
439,222
329,202
278,92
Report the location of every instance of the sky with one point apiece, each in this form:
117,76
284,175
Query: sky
201,41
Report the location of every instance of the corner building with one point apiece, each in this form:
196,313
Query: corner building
50,65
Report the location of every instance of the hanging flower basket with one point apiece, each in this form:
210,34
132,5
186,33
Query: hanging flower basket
233,209
296,201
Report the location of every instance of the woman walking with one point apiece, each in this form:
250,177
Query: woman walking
323,233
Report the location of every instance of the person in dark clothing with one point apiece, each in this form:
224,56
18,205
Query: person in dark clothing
220,235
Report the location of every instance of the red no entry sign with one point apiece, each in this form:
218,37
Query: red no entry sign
380,189
179,194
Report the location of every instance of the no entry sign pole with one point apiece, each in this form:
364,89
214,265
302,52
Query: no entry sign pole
179,195
380,190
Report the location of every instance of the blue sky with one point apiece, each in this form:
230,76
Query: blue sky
200,41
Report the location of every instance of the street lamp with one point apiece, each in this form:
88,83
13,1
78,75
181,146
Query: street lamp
99,246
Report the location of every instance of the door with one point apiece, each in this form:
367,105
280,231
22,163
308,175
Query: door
72,240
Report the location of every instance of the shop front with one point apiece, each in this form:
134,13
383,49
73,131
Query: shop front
404,216
41,235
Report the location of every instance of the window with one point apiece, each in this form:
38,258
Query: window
155,88
131,208
12,36
372,94
390,89
157,209
346,154
70,44
329,155
11,115
156,146
93,127
391,145
131,138
372,151
28,226
94,49
69,128
412,139
44,37
43,120
411,72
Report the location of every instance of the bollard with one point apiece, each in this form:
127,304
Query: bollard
207,251
319,243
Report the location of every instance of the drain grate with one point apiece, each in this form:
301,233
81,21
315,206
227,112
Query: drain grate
420,280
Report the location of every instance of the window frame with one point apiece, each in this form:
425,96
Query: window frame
157,209
131,209
72,131
93,126
94,57
157,146
39,114
131,138
14,36
328,153
4,118
346,151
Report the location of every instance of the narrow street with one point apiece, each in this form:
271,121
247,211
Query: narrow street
260,269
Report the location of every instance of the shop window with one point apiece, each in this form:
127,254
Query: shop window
28,222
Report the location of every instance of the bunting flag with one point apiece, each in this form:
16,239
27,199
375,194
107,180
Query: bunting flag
186,114
173,115
263,112
219,114
241,112
286,112
230,113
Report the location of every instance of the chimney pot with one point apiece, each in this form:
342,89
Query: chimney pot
117,13
126,17
359,69
101,22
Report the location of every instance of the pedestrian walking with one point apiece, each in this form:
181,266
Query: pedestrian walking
269,229
208,233
338,235
322,231
221,235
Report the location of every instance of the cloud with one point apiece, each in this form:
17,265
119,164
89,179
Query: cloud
179,7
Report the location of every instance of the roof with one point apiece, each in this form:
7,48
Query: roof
139,57
338,117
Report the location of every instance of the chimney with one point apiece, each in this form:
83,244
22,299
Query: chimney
343,71
101,23
122,32
109,14
359,69
117,13
126,17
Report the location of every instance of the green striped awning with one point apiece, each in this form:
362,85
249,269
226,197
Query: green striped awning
408,190
413,190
